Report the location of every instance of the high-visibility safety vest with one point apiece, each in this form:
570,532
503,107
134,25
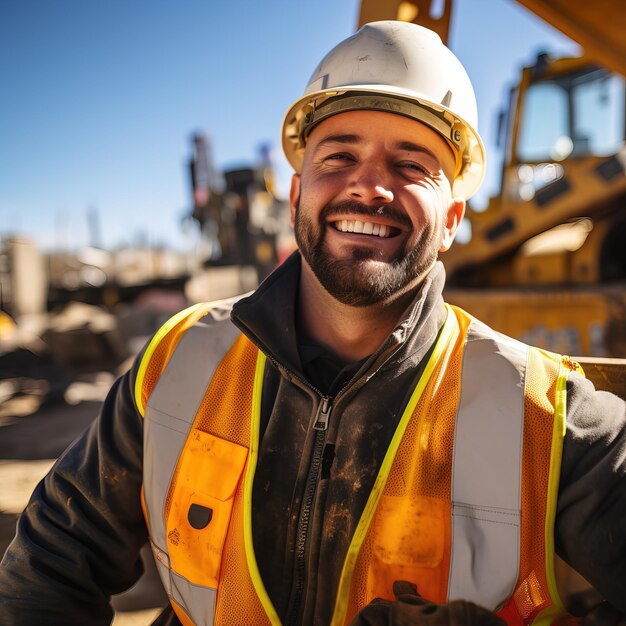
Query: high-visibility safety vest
463,504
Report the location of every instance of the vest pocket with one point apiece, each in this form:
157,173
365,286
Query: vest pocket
202,496
410,541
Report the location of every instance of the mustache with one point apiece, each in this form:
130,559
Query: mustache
357,209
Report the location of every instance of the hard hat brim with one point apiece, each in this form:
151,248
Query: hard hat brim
472,154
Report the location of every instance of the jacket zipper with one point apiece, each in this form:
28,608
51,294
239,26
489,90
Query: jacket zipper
320,425
323,413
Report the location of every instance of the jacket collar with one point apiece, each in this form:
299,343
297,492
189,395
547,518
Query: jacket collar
267,318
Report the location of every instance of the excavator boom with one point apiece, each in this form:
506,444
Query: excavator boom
598,26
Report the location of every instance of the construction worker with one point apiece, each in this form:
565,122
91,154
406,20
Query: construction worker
341,447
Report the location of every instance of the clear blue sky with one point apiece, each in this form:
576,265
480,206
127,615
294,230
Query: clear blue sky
98,99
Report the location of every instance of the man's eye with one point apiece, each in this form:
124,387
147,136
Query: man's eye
413,166
339,156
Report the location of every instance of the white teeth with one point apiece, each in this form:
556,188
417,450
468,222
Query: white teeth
367,228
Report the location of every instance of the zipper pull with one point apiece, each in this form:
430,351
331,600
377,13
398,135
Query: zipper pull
323,413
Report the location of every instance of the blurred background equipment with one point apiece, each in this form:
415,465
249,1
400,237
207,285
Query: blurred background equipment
207,190
239,213
23,280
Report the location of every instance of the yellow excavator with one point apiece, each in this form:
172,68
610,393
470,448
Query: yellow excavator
546,261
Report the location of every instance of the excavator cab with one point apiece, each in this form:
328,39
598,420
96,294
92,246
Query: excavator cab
577,114
571,123
562,186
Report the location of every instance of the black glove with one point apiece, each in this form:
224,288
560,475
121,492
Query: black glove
410,609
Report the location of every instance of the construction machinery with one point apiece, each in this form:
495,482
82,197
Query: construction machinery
546,261
238,211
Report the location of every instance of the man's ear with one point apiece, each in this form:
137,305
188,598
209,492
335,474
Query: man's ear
454,215
294,196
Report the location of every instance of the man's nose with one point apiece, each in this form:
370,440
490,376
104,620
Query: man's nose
369,185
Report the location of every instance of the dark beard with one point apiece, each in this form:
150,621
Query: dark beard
357,281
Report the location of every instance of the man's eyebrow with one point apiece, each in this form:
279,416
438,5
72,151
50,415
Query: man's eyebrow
413,147
340,139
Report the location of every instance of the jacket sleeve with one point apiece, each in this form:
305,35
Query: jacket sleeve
590,532
78,539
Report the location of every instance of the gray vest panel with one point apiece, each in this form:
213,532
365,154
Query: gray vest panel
487,469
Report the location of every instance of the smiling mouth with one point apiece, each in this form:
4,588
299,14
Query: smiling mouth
366,228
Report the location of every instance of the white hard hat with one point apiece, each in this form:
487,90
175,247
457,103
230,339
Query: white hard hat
402,68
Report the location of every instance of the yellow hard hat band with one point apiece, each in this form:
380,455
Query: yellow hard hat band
441,121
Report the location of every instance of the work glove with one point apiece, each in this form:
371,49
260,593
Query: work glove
410,609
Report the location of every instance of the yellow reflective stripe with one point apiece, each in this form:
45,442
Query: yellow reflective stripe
152,346
548,615
341,603
253,568
560,411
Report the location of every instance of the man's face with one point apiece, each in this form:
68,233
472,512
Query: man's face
373,206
